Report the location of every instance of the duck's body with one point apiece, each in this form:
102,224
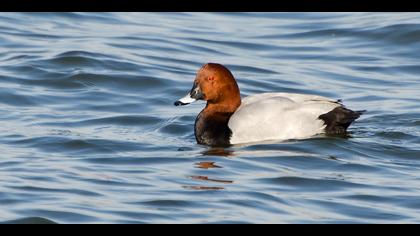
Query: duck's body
227,120
279,116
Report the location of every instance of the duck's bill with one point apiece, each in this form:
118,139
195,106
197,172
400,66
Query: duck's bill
185,100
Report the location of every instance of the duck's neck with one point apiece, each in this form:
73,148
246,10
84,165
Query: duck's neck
220,108
230,103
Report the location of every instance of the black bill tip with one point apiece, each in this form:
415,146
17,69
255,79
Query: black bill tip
179,103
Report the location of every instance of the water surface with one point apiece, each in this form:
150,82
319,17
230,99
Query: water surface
89,133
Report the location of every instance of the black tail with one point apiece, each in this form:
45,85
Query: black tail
339,119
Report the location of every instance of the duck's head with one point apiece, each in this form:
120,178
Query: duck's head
215,84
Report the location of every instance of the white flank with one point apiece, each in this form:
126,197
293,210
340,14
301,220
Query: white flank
279,116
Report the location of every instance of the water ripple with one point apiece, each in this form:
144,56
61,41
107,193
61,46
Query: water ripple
89,133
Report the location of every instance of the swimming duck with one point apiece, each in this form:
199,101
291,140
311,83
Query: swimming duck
228,120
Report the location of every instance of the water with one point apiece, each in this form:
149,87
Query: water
89,133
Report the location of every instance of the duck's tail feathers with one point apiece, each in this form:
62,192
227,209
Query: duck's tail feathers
339,119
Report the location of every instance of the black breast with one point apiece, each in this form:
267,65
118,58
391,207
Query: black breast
213,129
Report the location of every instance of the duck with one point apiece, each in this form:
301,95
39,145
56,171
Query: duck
228,120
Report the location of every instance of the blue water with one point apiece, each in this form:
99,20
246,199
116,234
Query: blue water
89,133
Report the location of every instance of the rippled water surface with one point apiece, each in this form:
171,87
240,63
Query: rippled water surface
89,133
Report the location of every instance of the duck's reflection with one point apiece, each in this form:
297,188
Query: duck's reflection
203,188
205,178
213,151
208,166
